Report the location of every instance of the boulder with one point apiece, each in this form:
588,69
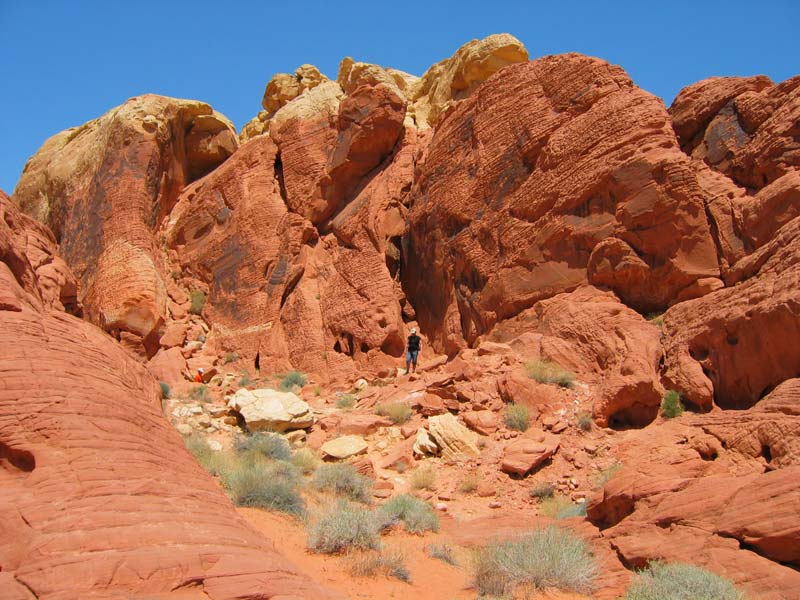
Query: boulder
266,409
424,444
484,422
344,446
523,455
455,441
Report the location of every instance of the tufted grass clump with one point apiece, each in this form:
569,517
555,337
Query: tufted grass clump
584,421
549,372
230,357
547,558
660,581
344,527
424,478
417,516
671,405
469,483
165,389
270,445
200,393
198,301
305,460
271,486
443,552
291,379
541,491
561,507
211,461
346,401
388,563
343,480
604,476
517,417
396,412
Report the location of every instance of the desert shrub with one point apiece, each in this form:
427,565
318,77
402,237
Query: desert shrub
305,460
346,401
469,483
245,379
443,552
165,389
389,563
417,516
343,480
271,445
199,448
344,527
198,300
424,478
604,476
548,558
517,417
230,357
671,405
291,379
584,421
656,318
199,393
549,372
561,507
574,510
270,489
542,491
396,412
678,581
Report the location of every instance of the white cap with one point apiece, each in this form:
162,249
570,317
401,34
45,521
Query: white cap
413,330
200,370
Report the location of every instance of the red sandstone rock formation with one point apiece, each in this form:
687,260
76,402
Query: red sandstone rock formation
97,495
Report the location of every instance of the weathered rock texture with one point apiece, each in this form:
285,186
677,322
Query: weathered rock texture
97,494
552,173
104,188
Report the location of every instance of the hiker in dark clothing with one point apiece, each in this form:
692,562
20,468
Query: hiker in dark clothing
412,351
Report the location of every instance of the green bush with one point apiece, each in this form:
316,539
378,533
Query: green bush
199,393
271,445
584,421
416,515
443,552
231,357
396,412
656,318
305,460
267,488
542,491
344,527
391,564
517,417
469,483
548,558
561,507
424,478
343,480
165,389
549,372
198,300
678,581
291,379
346,401
245,379
575,510
207,458
671,405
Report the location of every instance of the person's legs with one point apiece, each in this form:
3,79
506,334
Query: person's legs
414,361
408,363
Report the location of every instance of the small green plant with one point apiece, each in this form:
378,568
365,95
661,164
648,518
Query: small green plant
443,552
199,393
660,581
547,558
424,478
165,389
542,491
549,372
198,301
584,421
671,405
231,357
575,510
388,563
417,516
656,318
272,489
344,527
305,460
291,379
561,507
245,379
343,480
270,445
396,412
604,476
469,483
346,401
517,417
202,453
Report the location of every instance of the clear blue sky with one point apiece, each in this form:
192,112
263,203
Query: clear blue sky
66,62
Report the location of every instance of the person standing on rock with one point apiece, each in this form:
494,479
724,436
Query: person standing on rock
412,351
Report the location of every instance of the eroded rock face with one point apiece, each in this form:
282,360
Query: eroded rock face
104,187
99,496
551,173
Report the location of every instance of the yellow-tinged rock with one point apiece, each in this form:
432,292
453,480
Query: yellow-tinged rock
321,101
283,87
353,74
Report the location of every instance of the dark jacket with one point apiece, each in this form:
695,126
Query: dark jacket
413,343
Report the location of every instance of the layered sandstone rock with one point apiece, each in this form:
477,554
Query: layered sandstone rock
104,187
271,410
551,173
98,496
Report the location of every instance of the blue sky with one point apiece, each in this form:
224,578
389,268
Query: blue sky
65,62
